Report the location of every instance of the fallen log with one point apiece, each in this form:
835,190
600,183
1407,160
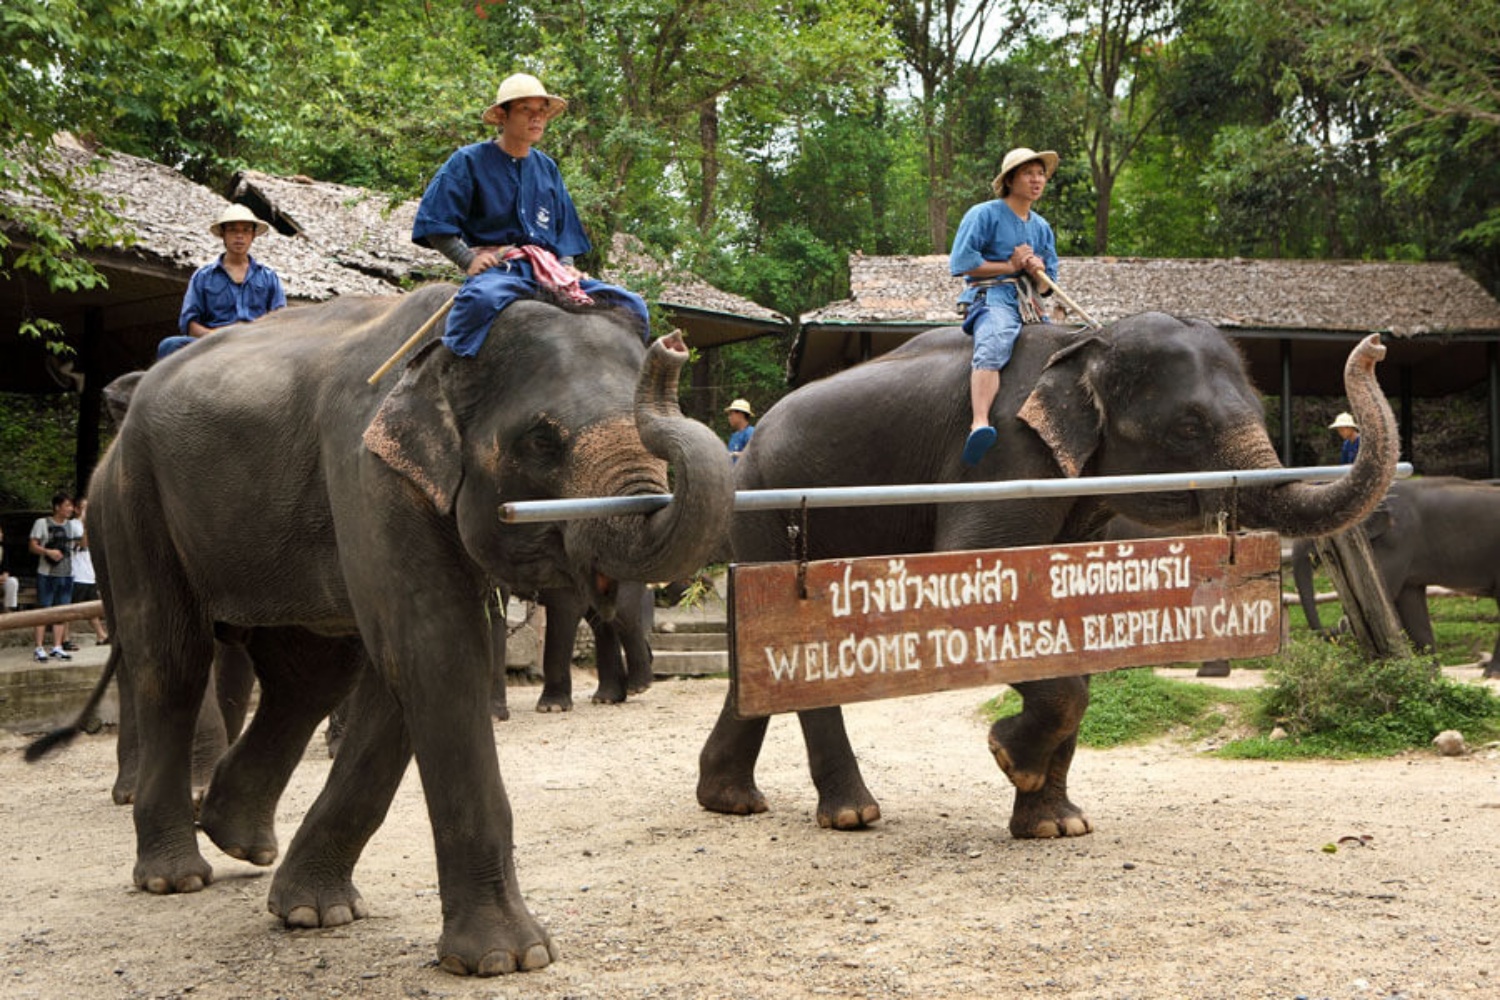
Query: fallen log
51,616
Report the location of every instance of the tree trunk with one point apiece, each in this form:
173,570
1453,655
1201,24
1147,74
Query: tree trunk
708,139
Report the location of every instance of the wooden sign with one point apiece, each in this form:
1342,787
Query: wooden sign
900,625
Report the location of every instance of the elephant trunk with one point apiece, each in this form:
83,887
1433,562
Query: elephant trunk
1304,509
679,539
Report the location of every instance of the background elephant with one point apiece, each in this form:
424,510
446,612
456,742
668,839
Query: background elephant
1436,531
260,482
1148,394
622,645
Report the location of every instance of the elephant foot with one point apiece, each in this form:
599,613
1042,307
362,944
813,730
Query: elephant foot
608,694
304,903
123,794
495,944
733,798
554,702
1023,762
500,711
1047,814
162,871
237,833
854,813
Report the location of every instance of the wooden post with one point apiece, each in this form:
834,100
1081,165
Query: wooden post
1351,564
51,616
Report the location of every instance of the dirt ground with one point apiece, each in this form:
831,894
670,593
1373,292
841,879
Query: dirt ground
1204,878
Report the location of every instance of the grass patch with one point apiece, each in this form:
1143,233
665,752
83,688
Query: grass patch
1332,703
1136,706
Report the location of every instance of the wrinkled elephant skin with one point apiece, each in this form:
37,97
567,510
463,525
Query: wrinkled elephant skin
1149,394
351,534
1435,531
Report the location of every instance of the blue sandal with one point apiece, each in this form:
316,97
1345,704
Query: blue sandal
981,440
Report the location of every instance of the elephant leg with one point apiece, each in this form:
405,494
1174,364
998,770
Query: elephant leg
844,803
609,661
499,634
127,745
303,677
210,738
167,857
726,764
338,722
1411,608
314,885
635,636
1049,812
1035,748
564,611
234,676
1492,668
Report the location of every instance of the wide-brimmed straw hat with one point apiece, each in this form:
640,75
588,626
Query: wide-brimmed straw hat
518,86
238,213
1343,420
743,405
1020,156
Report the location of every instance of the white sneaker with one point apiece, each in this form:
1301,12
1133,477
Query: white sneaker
40,655
58,653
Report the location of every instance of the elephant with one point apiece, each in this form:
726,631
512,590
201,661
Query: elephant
260,481
1148,394
622,647
1440,531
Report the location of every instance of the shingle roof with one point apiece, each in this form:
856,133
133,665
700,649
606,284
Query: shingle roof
169,215
1403,299
367,230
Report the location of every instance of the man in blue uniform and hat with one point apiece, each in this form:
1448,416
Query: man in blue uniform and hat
500,211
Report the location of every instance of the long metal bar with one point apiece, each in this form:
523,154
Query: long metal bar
525,511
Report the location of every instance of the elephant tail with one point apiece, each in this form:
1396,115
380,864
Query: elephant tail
86,720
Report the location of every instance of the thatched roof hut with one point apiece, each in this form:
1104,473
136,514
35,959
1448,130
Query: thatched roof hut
165,217
368,231
1425,309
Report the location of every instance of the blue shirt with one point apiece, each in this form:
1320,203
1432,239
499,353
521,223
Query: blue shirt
991,231
214,298
740,440
1348,450
490,198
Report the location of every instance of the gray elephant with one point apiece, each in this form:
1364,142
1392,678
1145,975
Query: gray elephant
1437,531
259,481
1149,394
622,646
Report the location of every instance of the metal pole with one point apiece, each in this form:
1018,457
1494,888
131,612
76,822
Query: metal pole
527,511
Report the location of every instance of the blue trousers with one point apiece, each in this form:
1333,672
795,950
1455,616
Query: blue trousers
994,321
484,295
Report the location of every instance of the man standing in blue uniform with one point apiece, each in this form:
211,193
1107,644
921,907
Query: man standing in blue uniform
1000,249
501,212
741,429
1348,431
236,288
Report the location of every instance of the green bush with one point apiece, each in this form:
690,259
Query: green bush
1331,702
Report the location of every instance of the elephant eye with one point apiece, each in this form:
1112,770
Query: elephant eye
543,441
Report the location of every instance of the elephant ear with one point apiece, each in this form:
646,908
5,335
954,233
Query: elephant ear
1381,520
416,434
1062,408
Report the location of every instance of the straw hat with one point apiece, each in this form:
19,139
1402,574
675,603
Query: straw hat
238,213
1020,156
518,86
743,405
1343,420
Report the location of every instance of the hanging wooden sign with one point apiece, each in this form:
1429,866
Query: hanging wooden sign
860,629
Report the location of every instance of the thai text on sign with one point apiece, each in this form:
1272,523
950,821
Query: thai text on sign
897,625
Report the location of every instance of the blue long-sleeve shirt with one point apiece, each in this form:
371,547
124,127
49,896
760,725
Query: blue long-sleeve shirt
490,198
215,299
991,231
